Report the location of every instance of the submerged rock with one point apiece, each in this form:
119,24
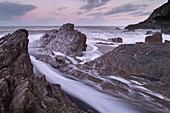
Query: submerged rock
155,38
159,19
66,40
20,90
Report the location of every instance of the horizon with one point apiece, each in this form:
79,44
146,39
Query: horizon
77,12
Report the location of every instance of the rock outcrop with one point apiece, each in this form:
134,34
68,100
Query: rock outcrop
20,90
148,64
159,19
155,38
151,60
118,40
66,40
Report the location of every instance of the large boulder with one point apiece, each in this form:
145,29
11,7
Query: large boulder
66,40
159,19
155,38
20,90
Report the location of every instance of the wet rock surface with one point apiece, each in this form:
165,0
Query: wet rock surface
66,40
159,19
20,90
147,64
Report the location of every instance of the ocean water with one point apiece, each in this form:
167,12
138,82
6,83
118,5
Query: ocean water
94,35
101,102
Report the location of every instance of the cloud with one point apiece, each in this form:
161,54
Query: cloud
56,14
79,13
91,4
10,10
61,8
125,8
140,13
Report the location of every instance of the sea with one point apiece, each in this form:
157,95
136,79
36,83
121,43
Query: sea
98,100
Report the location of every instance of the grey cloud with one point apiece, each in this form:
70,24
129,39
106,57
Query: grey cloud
61,8
140,13
56,14
10,10
91,4
125,8
79,13
101,8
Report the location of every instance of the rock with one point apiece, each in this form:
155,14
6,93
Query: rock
155,38
14,54
119,40
140,43
131,29
166,30
117,28
104,43
159,19
45,39
149,32
167,41
147,59
144,63
149,63
66,40
20,90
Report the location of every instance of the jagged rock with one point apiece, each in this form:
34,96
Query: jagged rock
14,54
145,59
66,40
20,90
45,39
119,40
159,19
155,38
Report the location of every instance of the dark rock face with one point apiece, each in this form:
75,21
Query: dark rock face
119,40
159,19
45,39
20,90
151,60
155,38
67,41
14,54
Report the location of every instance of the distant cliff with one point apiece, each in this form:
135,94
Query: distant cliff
159,19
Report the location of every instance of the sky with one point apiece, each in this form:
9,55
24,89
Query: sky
79,12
